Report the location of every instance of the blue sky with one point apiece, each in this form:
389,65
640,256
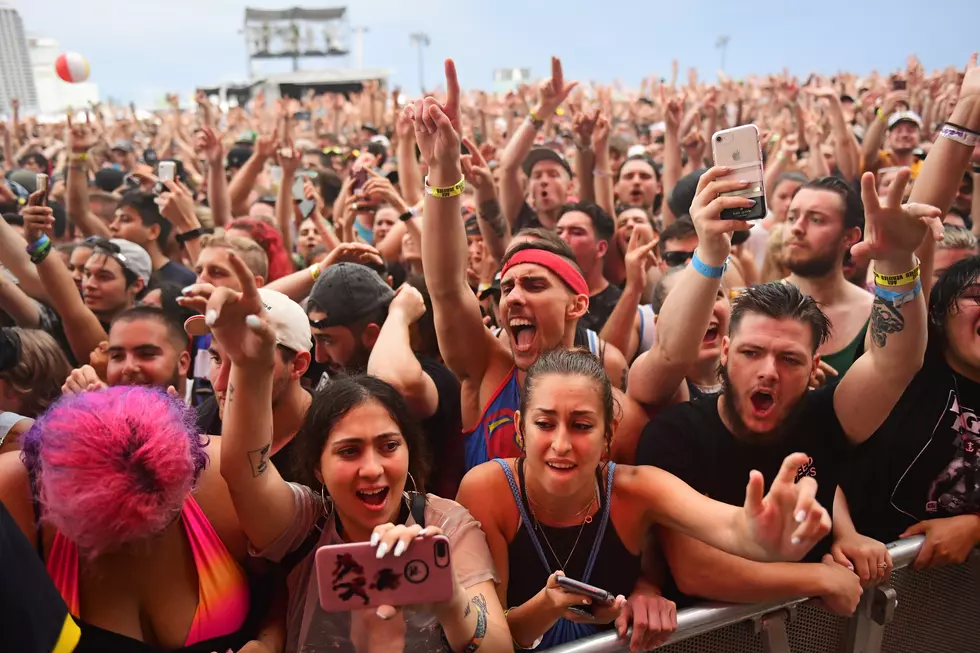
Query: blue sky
139,50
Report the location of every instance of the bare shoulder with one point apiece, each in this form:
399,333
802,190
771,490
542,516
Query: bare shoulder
482,489
15,491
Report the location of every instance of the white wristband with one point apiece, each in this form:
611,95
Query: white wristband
959,135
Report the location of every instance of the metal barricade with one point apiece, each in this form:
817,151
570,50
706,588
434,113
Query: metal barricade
936,611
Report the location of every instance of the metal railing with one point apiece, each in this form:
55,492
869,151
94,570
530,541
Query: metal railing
931,609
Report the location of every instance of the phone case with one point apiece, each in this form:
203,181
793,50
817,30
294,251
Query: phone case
167,171
739,148
351,577
583,589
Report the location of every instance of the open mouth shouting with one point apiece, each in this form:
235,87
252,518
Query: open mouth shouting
763,402
374,499
711,335
523,333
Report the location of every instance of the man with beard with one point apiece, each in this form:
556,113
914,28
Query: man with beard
901,129
765,409
825,220
360,325
638,183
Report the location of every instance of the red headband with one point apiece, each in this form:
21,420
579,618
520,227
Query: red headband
557,264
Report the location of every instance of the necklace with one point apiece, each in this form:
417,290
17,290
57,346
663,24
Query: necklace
587,520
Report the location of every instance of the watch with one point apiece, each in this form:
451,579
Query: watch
187,236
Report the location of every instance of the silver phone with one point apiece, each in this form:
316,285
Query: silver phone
167,171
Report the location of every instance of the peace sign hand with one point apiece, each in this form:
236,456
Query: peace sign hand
893,230
553,92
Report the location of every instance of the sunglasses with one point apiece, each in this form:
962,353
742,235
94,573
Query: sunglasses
677,259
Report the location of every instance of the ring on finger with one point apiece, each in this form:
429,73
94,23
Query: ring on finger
882,565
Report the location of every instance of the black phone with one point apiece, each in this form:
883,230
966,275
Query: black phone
597,595
899,84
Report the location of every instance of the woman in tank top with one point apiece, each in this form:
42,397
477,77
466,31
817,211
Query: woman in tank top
574,514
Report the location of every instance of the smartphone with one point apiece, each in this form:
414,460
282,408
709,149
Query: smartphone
306,208
42,187
899,84
360,177
597,595
166,171
351,577
275,175
298,193
740,149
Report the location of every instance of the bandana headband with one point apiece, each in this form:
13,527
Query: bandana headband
553,262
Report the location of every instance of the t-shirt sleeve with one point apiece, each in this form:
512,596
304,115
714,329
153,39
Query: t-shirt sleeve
307,509
471,559
447,386
669,442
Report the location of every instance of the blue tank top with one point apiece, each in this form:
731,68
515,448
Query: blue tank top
495,435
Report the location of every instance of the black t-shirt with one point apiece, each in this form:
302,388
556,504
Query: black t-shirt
526,219
444,430
601,306
176,273
690,441
924,461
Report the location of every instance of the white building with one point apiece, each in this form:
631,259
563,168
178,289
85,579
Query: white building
54,95
16,76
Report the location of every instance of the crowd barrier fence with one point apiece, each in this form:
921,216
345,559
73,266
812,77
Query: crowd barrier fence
931,611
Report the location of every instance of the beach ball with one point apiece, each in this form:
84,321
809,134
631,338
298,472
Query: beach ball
71,67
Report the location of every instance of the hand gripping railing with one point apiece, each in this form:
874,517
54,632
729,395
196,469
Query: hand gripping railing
877,605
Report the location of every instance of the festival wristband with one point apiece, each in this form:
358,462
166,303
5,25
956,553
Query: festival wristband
314,271
897,299
897,279
82,156
448,191
881,115
38,255
535,120
705,269
33,247
959,134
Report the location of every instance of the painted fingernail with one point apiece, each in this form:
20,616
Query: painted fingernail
381,615
793,541
253,321
375,538
211,317
382,550
185,290
851,567
400,548
800,516
423,532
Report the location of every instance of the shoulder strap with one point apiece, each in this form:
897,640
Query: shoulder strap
418,508
293,558
603,523
528,524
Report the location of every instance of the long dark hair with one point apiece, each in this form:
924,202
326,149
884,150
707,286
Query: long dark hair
333,402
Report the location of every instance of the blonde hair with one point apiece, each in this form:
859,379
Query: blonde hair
251,252
957,238
40,372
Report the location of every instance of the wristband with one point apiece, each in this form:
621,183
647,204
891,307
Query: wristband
448,191
33,247
535,120
897,279
881,115
897,299
41,253
82,156
406,216
705,269
314,271
959,134
187,236
600,173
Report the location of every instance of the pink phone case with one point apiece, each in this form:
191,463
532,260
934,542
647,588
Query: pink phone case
352,578
739,149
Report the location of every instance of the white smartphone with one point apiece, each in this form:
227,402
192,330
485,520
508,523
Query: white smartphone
166,171
740,149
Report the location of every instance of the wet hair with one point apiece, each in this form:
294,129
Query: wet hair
603,225
41,370
571,362
853,208
781,301
251,252
145,204
333,402
679,229
170,319
958,238
270,240
949,287
114,466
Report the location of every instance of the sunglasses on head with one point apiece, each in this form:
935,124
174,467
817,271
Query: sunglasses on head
677,259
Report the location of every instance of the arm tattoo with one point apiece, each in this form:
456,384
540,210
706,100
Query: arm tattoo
885,320
489,212
626,376
259,459
479,602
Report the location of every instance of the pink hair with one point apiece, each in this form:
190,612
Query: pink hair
114,466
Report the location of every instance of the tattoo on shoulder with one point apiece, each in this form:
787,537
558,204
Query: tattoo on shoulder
886,319
479,603
489,212
259,459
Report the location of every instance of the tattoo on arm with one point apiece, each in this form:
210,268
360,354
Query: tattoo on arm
489,212
479,603
259,459
885,320
625,379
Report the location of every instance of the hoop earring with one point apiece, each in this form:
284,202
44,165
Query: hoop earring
414,485
322,498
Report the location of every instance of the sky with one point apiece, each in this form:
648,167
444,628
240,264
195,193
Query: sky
140,50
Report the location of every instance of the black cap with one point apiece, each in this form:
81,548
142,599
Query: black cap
237,156
347,292
540,153
108,179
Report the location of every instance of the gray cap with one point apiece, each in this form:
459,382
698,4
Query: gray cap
347,292
123,145
132,257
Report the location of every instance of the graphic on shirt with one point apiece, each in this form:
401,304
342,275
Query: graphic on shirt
944,478
805,470
501,429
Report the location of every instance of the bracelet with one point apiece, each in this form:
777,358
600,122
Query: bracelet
963,129
881,114
33,247
705,269
82,156
601,173
535,121
448,191
960,135
897,279
314,271
897,299
187,236
41,253
406,216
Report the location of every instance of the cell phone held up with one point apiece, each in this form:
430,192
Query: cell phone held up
41,198
351,577
740,150
598,596
166,171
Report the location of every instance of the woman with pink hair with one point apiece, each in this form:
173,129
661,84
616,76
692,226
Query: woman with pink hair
135,527
269,239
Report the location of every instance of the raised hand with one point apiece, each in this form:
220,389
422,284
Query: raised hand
289,158
177,205
554,91
437,130
207,143
583,125
788,521
81,138
407,304
352,253
475,168
267,144
640,256
38,220
892,229
82,379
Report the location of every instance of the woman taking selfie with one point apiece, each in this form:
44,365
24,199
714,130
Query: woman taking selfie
574,515
361,450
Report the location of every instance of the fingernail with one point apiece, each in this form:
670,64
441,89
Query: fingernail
585,601
751,202
793,541
211,317
800,516
375,538
851,567
423,532
185,290
380,615
253,321
400,548
382,550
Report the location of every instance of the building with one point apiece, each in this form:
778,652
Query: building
510,79
54,95
16,75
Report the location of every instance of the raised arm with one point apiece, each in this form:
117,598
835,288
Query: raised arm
673,160
493,227
209,144
81,139
243,181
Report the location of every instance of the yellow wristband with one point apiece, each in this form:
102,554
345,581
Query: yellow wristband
314,271
79,157
881,114
897,279
449,191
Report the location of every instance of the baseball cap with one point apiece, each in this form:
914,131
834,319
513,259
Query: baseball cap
26,178
347,292
540,153
123,145
237,156
128,254
108,179
904,116
286,317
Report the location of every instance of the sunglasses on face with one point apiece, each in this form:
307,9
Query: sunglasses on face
677,259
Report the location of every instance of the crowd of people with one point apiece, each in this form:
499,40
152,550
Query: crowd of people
523,321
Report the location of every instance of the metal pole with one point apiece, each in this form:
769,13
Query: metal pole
420,39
